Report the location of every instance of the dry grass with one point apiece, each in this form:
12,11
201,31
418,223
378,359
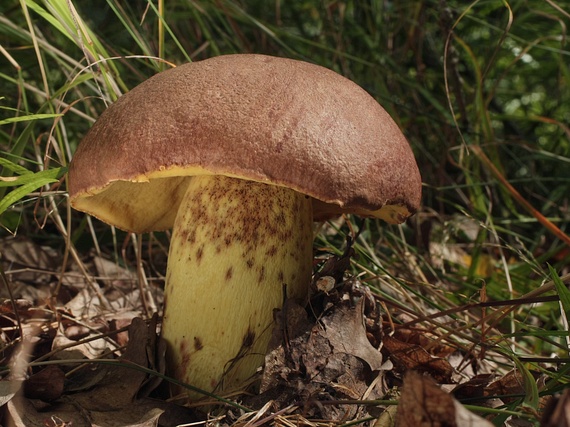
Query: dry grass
480,90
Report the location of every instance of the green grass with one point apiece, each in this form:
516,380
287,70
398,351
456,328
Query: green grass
480,90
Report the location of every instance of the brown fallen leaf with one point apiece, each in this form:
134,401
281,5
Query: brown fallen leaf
511,383
46,385
475,388
424,339
8,390
331,360
121,385
407,356
424,404
28,413
557,412
30,262
346,332
111,401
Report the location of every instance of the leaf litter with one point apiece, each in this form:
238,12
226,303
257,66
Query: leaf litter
340,358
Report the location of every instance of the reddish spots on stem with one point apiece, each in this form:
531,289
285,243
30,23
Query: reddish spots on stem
198,344
261,274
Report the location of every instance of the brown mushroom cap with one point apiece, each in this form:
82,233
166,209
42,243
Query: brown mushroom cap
273,120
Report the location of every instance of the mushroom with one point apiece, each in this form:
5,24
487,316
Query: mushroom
239,154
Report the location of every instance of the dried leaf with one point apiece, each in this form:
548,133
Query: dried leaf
8,390
557,413
511,383
46,385
333,360
111,401
118,277
413,357
120,387
476,387
424,404
149,417
85,305
30,258
465,418
387,418
346,332
23,413
424,339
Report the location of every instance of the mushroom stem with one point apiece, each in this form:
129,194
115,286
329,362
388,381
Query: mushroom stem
235,243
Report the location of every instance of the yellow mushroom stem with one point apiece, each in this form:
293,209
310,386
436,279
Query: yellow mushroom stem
235,243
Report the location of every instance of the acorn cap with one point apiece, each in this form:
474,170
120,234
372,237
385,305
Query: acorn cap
267,119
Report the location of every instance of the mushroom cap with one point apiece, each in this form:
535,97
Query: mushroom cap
261,118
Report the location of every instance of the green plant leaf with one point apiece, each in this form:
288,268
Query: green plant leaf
13,167
28,118
563,292
32,183
46,177
530,387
